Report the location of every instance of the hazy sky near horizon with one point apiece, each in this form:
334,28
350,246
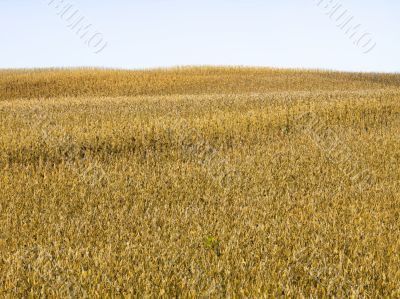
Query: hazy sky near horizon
162,33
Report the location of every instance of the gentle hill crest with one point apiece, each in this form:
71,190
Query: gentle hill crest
46,83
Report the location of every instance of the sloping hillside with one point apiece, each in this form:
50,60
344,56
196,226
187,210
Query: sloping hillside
199,182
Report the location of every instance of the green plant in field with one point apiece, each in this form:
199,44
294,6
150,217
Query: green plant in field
212,243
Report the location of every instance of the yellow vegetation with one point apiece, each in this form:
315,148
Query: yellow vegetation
199,182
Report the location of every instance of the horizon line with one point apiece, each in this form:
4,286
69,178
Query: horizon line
181,67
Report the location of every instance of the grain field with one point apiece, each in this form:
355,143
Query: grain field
199,182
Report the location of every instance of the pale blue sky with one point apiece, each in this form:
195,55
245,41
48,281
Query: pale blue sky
162,33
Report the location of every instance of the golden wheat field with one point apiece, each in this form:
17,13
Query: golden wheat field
203,182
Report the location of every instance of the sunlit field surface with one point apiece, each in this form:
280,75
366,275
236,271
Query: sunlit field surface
199,182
